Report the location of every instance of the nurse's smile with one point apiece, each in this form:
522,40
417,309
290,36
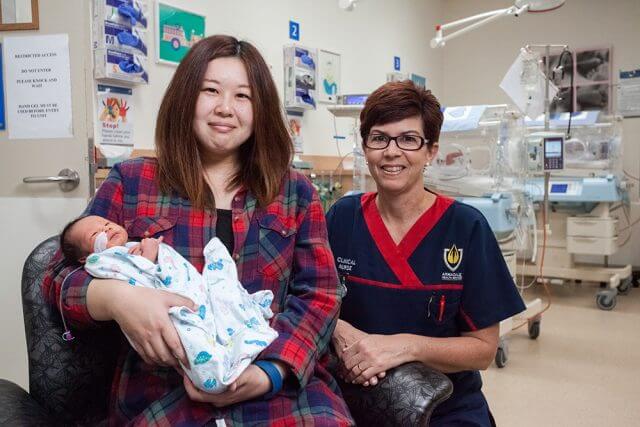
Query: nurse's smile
392,169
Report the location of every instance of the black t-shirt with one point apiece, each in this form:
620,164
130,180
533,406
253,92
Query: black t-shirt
224,229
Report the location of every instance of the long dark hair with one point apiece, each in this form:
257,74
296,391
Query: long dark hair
264,157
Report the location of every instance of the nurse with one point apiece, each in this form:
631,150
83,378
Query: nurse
424,275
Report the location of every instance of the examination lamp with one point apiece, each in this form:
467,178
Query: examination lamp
533,6
347,5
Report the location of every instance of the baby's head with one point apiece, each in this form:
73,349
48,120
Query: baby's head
89,234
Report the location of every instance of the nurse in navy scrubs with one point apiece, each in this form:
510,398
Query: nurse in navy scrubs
424,275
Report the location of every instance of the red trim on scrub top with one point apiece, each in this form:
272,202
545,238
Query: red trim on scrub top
424,225
467,319
445,287
387,247
396,256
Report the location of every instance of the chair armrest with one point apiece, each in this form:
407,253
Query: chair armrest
18,408
407,396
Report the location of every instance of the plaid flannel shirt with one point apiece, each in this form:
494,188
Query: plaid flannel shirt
282,247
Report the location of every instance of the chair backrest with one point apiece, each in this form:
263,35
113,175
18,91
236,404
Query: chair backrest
71,379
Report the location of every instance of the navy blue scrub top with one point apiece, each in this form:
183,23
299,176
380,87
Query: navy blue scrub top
446,276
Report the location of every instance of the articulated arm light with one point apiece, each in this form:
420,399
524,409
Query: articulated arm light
534,6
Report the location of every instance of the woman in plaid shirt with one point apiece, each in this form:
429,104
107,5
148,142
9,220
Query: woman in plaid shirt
222,169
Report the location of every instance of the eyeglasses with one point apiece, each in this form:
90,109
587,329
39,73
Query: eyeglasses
380,141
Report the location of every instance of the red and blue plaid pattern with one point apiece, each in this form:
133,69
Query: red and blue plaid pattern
282,247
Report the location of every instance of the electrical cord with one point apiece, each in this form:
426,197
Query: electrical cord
340,166
335,136
571,110
629,225
628,175
540,276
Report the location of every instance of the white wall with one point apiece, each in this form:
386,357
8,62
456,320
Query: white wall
367,38
475,63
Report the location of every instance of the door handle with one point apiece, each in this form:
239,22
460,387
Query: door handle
67,179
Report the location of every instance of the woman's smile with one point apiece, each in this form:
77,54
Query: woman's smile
221,127
392,170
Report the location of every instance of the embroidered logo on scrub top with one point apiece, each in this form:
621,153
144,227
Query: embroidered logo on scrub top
452,259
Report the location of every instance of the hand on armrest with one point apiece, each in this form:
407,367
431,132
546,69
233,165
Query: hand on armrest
345,336
407,396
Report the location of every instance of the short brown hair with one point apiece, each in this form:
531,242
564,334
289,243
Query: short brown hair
264,157
395,101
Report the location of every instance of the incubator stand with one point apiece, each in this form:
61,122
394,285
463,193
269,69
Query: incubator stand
481,162
582,198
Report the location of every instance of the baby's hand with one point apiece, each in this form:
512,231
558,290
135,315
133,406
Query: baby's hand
149,248
135,250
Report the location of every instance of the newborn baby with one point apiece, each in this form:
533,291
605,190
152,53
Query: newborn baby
229,329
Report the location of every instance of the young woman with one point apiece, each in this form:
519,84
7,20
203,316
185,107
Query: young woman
222,169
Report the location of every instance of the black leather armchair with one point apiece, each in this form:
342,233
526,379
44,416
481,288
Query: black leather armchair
69,382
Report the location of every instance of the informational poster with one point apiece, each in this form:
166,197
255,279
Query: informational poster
629,93
38,87
329,76
419,80
294,119
177,30
115,116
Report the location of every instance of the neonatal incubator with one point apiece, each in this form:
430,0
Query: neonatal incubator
481,162
582,197
495,160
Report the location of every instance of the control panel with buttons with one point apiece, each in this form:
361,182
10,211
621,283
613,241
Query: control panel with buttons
553,153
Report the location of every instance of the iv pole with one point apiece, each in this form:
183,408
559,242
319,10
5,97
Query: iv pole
547,114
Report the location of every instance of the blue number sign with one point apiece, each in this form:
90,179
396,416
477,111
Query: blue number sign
294,30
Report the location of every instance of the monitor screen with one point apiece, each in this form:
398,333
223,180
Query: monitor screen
559,188
553,147
355,99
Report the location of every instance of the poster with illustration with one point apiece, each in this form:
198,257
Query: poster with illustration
294,120
177,30
328,76
115,116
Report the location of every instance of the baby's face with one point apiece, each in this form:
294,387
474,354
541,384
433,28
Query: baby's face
85,231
